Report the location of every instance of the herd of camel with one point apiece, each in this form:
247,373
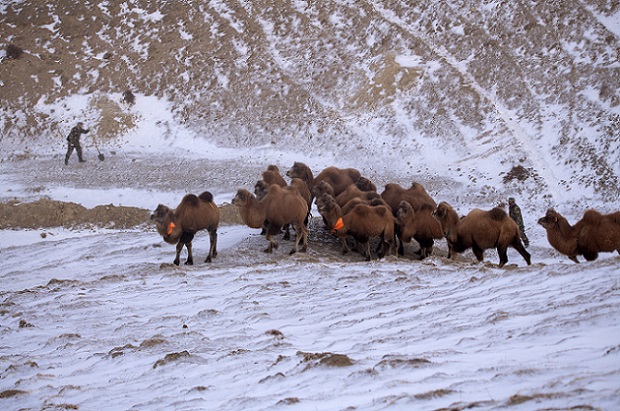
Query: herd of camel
353,210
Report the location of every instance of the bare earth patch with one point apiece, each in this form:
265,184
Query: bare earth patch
51,213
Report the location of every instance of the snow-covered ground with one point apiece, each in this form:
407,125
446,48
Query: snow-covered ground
100,319
454,96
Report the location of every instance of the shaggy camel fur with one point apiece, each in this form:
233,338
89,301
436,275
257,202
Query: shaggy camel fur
261,188
303,172
372,199
363,188
419,225
180,225
338,178
593,234
362,222
480,230
416,195
272,176
280,206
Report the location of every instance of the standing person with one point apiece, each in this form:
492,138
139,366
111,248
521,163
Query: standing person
515,213
74,142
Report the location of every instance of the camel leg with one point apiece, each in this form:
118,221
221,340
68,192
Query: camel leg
212,246
503,255
298,238
190,256
478,252
302,238
518,245
345,247
366,250
385,249
272,243
177,259
401,245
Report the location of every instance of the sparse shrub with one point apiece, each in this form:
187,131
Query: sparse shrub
129,98
519,173
13,52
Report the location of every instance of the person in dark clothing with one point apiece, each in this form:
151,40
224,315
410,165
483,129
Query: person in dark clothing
515,213
74,142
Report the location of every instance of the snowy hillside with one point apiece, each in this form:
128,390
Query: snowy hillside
498,97
476,100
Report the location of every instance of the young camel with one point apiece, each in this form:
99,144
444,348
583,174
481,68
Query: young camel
179,226
280,206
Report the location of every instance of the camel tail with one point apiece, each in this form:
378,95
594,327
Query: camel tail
206,196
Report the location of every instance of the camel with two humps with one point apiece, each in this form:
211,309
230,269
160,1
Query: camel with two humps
362,188
180,225
338,178
362,222
480,230
261,188
419,225
593,234
280,206
416,195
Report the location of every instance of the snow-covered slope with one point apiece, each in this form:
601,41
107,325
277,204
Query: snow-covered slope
102,320
476,100
498,96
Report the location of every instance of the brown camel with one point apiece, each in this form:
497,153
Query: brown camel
593,234
362,223
480,230
280,206
419,225
179,226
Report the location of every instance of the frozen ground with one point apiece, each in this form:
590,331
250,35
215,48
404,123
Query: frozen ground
99,319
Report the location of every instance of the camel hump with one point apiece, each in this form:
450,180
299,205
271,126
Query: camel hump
190,199
206,196
592,217
497,214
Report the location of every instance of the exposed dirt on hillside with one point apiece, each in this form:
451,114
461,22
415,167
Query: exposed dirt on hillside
50,213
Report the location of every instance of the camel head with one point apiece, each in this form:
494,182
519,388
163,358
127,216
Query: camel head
323,188
243,198
448,219
442,210
404,211
365,184
161,214
297,171
551,219
164,220
261,188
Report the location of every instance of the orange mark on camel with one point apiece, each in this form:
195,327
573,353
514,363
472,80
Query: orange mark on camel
170,227
339,224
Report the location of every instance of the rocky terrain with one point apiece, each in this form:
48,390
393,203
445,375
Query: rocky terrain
530,85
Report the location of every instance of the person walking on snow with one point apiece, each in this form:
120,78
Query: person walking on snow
515,213
74,142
